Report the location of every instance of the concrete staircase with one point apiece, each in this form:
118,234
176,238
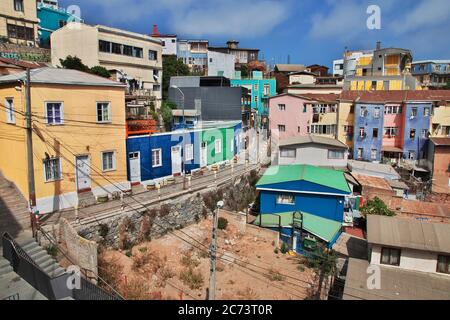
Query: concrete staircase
12,286
86,199
14,214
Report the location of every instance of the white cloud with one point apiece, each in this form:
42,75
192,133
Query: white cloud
243,18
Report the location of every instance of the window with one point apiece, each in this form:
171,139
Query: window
18,5
153,55
299,129
156,158
281,128
266,89
52,169
285,199
335,154
443,265
282,107
376,112
426,112
424,133
103,112
362,132
218,146
20,32
288,153
10,113
412,133
375,133
391,131
256,99
189,152
414,112
127,50
360,153
373,154
390,256
116,48
54,112
305,108
363,112
108,161
138,52
104,46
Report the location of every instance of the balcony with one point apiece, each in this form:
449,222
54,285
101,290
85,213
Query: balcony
141,127
144,94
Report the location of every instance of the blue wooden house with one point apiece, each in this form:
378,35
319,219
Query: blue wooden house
161,155
296,196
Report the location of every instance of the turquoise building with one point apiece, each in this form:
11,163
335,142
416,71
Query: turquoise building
51,19
259,88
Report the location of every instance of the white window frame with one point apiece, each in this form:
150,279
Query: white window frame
288,153
334,154
360,150
114,166
61,113
109,111
52,179
377,112
160,163
10,112
283,199
218,146
373,154
189,149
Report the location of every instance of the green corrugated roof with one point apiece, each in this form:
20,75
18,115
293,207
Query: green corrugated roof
323,228
325,177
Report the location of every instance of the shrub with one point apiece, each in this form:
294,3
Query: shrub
377,207
109,270
52,250
274,275
164,211
145,230
136,289
103,230
284,248
129,254
191,278
140,260
189,261
222,224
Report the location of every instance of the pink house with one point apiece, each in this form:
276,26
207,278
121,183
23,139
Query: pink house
394,125
289,115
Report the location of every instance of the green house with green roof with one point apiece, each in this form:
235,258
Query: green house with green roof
318,191
316,195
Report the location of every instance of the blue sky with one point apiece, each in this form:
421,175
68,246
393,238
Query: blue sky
310,31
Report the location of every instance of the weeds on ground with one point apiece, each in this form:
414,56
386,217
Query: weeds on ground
192,278
189,261
275,275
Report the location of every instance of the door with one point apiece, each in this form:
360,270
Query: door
176,160
83,173
203,155
135,166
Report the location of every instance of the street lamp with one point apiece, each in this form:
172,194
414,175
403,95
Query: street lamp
184,141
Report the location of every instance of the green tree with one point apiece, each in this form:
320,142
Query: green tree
172,67
447,86
166,114
100,71
74,63
377,207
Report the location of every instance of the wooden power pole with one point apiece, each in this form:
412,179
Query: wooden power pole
213,254
31,182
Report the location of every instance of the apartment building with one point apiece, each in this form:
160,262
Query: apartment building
78,136
432,74
379,69
194,54
134,59
242,55
19,22
408,270
169,42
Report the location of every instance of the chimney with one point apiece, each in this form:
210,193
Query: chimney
378,45
155,32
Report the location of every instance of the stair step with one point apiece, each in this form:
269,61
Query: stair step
28,245
51,268
46,263
5,270
40,256
59,271
34,251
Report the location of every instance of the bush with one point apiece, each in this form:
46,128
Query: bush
191,278
188,260
284,248
103,230
52,250
129,254
136,289
377,207
111,271
275,275
222,224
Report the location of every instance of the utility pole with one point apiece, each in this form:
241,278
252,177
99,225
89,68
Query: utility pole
213,253
31,183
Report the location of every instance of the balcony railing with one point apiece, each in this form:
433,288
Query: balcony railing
143,93
141,127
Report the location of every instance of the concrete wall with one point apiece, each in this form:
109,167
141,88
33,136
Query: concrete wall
220,62
302,79
410,259
27,18
81,251
316,155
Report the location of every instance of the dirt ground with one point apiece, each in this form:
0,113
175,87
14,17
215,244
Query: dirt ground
248,268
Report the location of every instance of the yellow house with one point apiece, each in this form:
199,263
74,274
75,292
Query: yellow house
441,120
345,123
19,22
78,136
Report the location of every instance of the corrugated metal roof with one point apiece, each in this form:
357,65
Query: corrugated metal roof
372,169
61,76
396,284
325,177
441,141
408,233
372,182
299,140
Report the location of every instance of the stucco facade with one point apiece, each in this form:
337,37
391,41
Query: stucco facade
64,141
19,17
220,64
313,154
